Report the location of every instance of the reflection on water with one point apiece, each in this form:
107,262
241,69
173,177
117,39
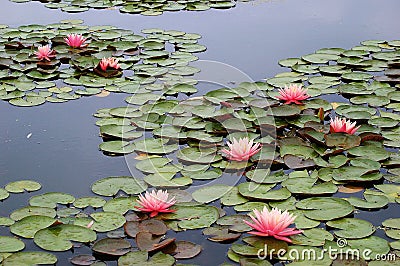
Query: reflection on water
62,152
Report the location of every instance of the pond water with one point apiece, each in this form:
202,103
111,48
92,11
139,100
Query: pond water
57,144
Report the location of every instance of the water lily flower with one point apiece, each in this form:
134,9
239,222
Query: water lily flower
45,53
110,62
338,125
241,150
273,223
293,94
75,40
155,202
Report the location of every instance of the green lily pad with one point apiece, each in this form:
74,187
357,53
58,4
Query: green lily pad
352,228
233,198
285,111
370,202
263,176
107,221
375,245
32,210
22,186
324,209
6,221
210,193
4,194
193,217
95,202
370,152
58,238
51,199
28,226
320,58
117,147
251,205
30,258
392,223
154,146
120,131
111,185
355,173
120,205
200,156
312,237
308,186
10,244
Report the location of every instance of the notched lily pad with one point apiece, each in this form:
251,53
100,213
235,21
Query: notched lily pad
22,186
59,237
111,185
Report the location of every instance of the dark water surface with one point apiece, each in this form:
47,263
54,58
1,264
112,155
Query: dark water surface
62,152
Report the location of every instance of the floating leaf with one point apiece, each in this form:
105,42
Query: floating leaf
22,186
111,185
111,246
141,258
30,258
28,226
10,244
58,238
374,244
324,209
107,221
51,199
352,228
210,193
194,217
95,202
32,210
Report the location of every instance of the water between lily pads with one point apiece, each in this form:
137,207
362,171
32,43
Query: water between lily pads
62,151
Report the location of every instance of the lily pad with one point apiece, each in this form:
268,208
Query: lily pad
210,193
141,258
28,226
352,228
22,186
375,245
111,185
32,210
51,199
58,238
30,258
193,217
10,244
324,209
107,221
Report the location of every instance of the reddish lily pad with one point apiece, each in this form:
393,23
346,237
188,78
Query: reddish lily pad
112,246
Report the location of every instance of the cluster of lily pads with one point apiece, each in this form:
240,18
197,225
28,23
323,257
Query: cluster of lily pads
28,79
309,161
298,162
143,7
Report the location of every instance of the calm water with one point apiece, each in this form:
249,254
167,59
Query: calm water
62,152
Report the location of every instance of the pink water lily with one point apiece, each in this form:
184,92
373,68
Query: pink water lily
338,125
107,63
155,202
273,223
45,53
75,40
242,149
293,94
